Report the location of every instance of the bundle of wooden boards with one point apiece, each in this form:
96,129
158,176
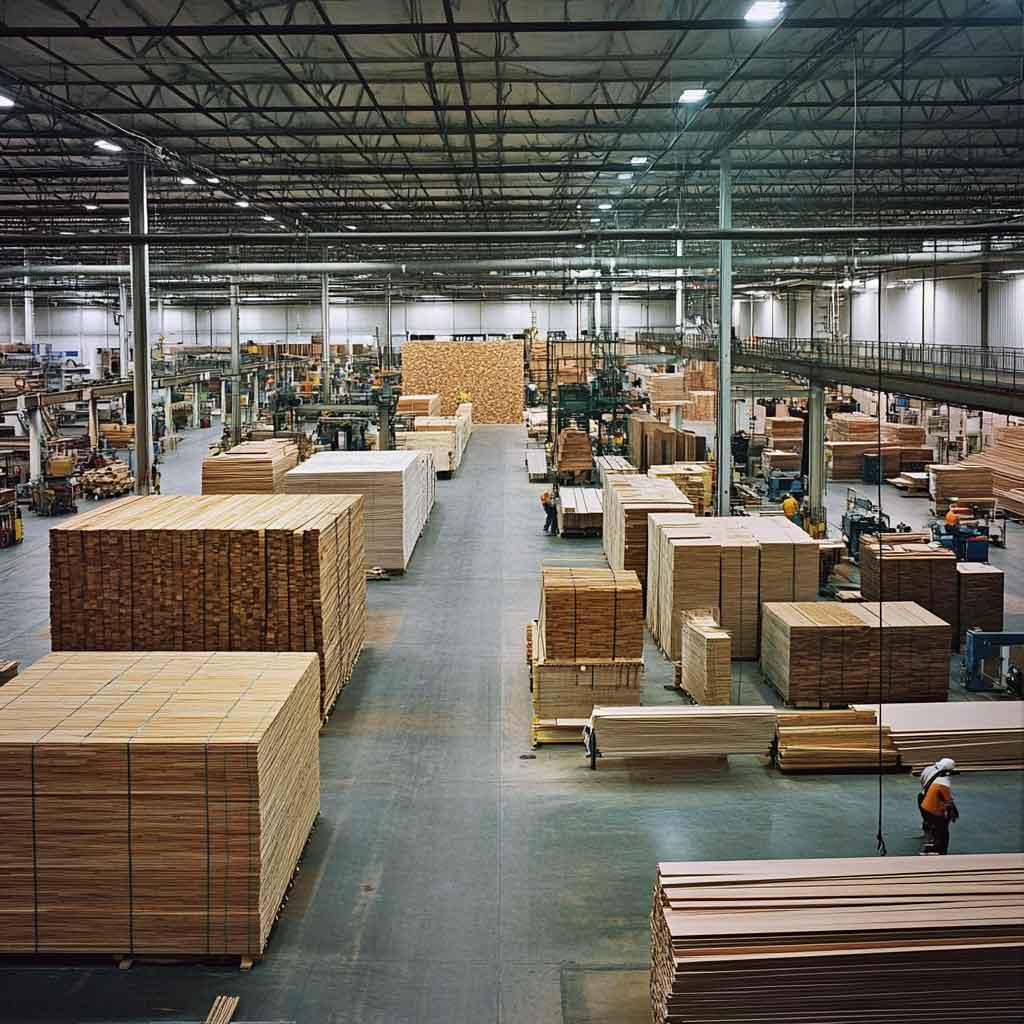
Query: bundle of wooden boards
912,484
109,481
219,573
856,940
705,661
906,435
118,435
654,443
702,406
978,735
847,459
826,654
1012,501
445,437
667,388
398,494
573,451
852,426
833,741
252,467
419,405
155,803
579,511
979,599
614,465
694,479
958,481
490,371
785,433
773,458
1004,459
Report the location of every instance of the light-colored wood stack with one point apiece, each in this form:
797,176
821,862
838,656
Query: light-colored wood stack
579,510
694,479
979,598
912,484
785,433
228,573
252,467
654,443
536,464
445,437
703,406
914,456
667,389
118,435
854,940
847,462
573,451
960,481
825,654
155,803
852,426
614,465
705,660
906,435
109,481
398,493
1004,459
419,405
490,371
1012,501
464,412
833,741
978,735
772,458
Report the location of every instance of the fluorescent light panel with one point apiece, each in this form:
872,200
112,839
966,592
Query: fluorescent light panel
764,10
692,95
106,146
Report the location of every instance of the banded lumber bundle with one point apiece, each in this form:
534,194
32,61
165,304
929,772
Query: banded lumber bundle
536,464
785,433
579,510
911,483
398,494
667,388
847,462
109,481
1004,460
979,599
833,741
705,660
772,458
637,426
612,465
906,435
155,803
419,405
573,451
856,940
853,426
824,654
591,614
694,479
701,375
978,735
118,435
959,480
228,573
491,371
252,467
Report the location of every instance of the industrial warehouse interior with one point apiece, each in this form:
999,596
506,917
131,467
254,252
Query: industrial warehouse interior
512,511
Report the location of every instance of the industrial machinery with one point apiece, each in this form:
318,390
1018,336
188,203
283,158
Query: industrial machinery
862,518
785,481
343,433
12,529
285,400
967,543
982,647
54,492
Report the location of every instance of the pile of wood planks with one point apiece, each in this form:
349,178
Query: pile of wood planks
536,464
653,443
912,484
916,457
960,481
398,491
8,670
252,467
705,661
703,406
847,459
667,388
419,405
155,803
825,654
841,740
979,599
1012,501
852,426
573,451
694,479
855,940
579,511
906,435
772,458
218,573
785,433
491,372
445,437
1004,459
118,435
614,465
109,481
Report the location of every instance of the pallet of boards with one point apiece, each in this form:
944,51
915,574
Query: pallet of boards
906,435
978,735
591,614
440,444
1004,458
109,481
612,465
841,740
419,405
490,371
847,459
851,940
460,426
579,511
773,458
979,588
785,433
705,660
958,481
573,451
1012,501
852,426
694,479
118,435
667,388
398,493
825,654
216,573
536,464
155,803
252,467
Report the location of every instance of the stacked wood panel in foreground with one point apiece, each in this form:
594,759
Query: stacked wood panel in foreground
154,803
579,511
897,939
252,467
218,573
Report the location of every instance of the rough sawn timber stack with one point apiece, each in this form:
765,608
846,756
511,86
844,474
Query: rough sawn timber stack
252,467
574,454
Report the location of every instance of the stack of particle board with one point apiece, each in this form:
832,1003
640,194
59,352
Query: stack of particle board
705,660
155,803
979,598
772,458
579,510
252,467
826,654
847,462
853,426
398,493
573,451
118,435
490,371
694,479
667,388
235,573
614,465
833,741
419,405
906,435
785,433
844,939
961,480
976,734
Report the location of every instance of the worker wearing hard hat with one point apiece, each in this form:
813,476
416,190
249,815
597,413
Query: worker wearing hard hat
790,508
936,802
550,514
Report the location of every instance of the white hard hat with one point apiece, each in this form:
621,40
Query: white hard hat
946,764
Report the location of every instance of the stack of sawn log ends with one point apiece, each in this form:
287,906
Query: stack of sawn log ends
705,663
398,491
217,573
155,803
833,741
252,467
859,940
824,654
574,452
419,405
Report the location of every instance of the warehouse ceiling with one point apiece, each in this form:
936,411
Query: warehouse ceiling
349,116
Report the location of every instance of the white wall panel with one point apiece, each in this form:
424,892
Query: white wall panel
1006,311
956,316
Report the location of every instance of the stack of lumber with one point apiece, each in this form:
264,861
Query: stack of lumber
853,426
906,435
979,599
155,803
917,457
536,464
445,437
682,730
667,388
833,741
920,571
912,484
579,510
234,573
654,443
536,421
464,412
109,481
978,735
118,435
591,614
694,479
825,654
847,462
772,458
252,467
961,480
574,453
1012,501
628,501
701,375
1004,459
419,405
398,493
490,371
705,660
844,939
702,406
614,465
785,433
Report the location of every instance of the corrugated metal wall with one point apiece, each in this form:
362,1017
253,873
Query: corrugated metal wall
1006,311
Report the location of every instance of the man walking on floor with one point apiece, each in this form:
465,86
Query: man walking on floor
936,803
550,514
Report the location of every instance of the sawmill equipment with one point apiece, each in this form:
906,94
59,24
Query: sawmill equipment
12,529
862,518
982,646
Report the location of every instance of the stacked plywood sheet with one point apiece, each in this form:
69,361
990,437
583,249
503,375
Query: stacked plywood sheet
976,734
155,803
961,481
613,465
490,371
825,654
855,940
906,435
1004,459
918,457
445,437
853,426
667,388
579,510
694,479
574,454
979,598
398,493
705,660
785,433
419,405
833,741
847,459
252,467
1012,501
235,573
772,458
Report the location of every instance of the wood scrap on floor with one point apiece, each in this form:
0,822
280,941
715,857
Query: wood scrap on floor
223,1010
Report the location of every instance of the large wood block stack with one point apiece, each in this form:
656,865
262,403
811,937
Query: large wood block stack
419,405
843,939
118,435
579,510
573,451
490,371
906,435
961,481
705,662
218,573
652,442
847,459
825,654
1004,459
612,465
785,433
694,479
397,489
703,406
667,388
155,803
852,426
979,599
773,458
445,437
252,467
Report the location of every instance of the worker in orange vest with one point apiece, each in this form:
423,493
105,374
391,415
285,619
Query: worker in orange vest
936,803
550,513
952,520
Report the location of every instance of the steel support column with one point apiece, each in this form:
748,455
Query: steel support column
142,390
325,320
30,316
168,413
816,450
122,327
196,418
597,307
723,435
236,367
387,323
680,312
35,444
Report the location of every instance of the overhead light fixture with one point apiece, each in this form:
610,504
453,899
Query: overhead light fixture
94,231
126,220
493,273
243,203
579,206
304,214
213,181
579,245
186,181
267,216
764,10
595,220
693,95
6,101
67,232
1019,270
109,147
625,176
351,227
846,283
604,206
90,206
638,161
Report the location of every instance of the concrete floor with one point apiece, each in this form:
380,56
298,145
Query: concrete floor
457,875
